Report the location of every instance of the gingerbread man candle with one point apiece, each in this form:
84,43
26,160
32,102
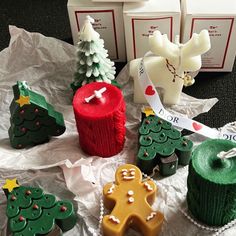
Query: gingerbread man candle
130,198
99,110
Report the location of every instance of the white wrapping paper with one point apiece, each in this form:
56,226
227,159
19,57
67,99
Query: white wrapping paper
48,65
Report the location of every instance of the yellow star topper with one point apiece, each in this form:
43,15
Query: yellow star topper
11,184
23,100
148,111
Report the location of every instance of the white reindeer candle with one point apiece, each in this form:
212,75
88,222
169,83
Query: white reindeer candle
169,65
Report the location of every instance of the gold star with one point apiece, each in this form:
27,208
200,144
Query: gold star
23,100
11,184
148,111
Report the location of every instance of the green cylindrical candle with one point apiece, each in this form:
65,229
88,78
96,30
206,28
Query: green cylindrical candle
211,193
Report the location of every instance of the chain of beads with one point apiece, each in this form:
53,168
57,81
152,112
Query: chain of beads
217,230
172,70
225,227
100,217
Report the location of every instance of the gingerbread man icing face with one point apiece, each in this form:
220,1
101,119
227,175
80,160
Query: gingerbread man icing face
128,174
130,198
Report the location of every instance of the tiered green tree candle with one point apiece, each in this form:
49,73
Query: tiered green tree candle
163,145
211,193
32,213
33,120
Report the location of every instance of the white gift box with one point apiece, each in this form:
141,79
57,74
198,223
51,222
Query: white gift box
108,23
119,0
218,17
141,19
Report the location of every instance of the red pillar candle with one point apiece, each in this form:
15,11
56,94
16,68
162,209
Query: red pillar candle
100,121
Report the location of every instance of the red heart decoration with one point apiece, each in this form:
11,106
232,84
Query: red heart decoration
196,126
149,90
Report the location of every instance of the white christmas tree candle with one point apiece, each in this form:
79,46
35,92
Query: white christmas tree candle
93,64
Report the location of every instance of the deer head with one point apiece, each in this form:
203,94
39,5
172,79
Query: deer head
185,57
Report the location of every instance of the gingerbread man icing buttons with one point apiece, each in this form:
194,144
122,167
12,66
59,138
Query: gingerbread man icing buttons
130,200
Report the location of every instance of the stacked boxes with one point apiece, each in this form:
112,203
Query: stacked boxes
126,24
141,19
108,23
219,20
119,0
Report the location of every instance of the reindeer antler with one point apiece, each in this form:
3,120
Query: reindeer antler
197,45
162,46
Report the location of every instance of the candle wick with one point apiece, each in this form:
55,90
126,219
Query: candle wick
97,94
229,154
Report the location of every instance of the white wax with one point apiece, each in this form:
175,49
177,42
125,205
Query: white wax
181,58
87,32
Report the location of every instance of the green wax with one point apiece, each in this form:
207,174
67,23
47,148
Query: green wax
158,139
211,182
209,166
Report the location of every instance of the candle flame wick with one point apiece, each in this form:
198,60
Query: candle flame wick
96,93
229,154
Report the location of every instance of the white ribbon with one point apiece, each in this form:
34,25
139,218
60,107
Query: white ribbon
182,122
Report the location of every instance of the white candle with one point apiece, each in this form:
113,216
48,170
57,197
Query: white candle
87,32
167,67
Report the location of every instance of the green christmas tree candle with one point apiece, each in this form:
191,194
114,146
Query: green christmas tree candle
33,120
211,193
162,145
33,213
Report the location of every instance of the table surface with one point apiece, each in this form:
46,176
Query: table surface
51,19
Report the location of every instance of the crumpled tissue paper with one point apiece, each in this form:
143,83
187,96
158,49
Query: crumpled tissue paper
48,66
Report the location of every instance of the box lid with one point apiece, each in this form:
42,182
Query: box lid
119,0
89,3
152,6
210,7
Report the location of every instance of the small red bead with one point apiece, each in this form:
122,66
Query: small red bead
145,154
28,192
63,208
23,129
185,143
22,112
21,218
37,123
147,121
36,110
35,207
19,145
13,198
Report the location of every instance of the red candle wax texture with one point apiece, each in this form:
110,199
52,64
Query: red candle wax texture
101,122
